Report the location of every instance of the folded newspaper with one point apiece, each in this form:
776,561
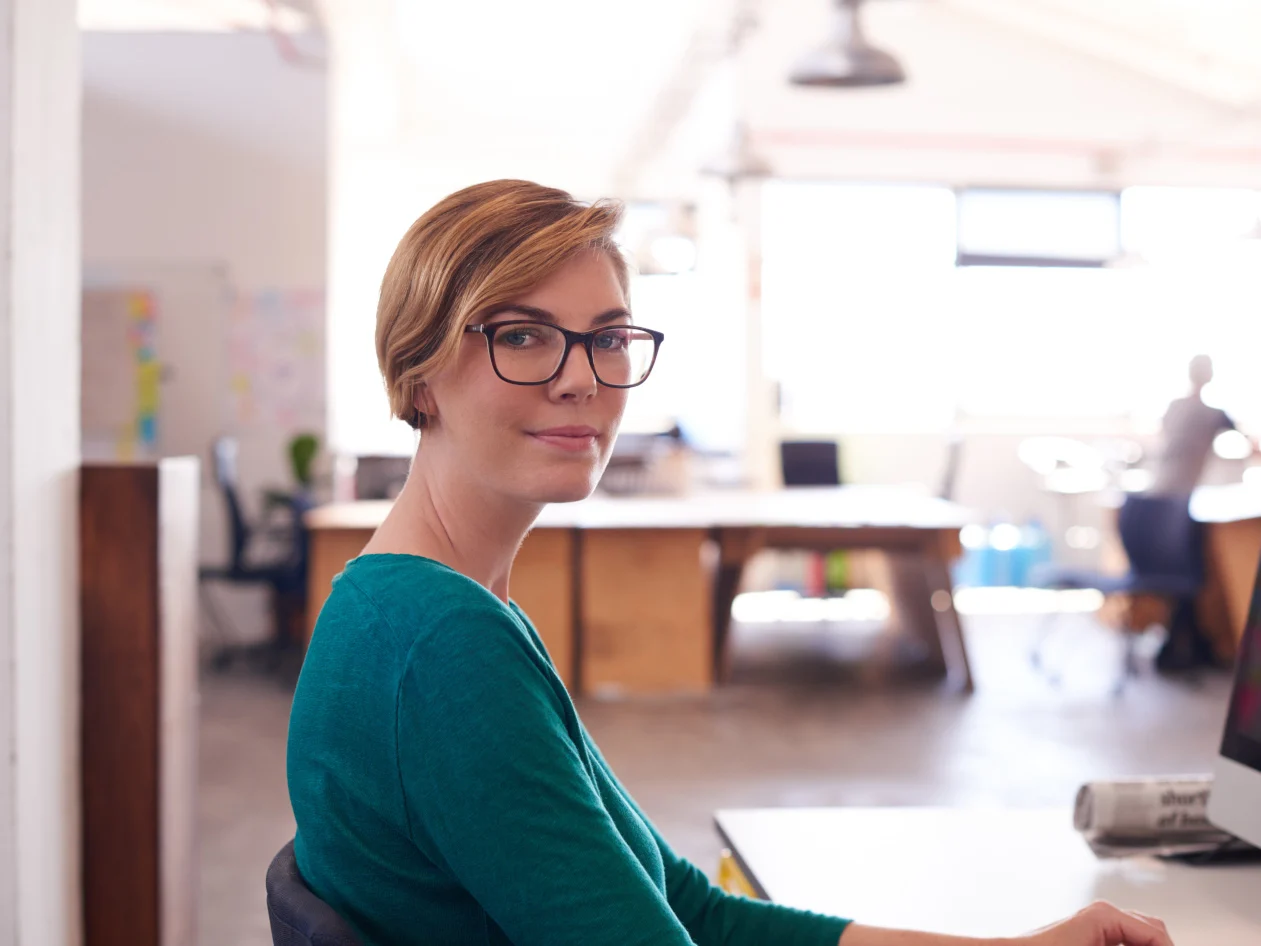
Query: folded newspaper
1160,816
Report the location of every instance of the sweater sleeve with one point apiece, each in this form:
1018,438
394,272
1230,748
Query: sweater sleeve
714,917
496,791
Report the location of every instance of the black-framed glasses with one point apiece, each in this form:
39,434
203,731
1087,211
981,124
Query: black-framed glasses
527,352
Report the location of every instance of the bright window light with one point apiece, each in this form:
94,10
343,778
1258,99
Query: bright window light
1175,225
851,287
869,327
1049,225
697,368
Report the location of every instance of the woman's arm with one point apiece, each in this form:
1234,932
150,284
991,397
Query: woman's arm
1100,924
858,935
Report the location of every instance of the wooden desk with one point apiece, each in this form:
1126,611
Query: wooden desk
634,595
977,872
1232,518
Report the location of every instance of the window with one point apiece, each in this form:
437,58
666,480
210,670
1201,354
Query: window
1032,228
851,305
870,327
691,384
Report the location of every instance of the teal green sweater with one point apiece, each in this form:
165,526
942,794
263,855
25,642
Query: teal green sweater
447,794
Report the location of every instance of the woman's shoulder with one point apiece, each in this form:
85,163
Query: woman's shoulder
412,596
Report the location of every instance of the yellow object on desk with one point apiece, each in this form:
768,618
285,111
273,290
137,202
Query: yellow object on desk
731,878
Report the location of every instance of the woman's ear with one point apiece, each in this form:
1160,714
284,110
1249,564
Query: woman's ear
422,400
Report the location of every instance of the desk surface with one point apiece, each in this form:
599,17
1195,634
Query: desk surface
977,872
844,507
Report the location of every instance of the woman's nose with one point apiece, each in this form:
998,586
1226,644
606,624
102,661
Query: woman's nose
576,379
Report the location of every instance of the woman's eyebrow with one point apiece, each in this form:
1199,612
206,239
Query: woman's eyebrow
604,318
542,315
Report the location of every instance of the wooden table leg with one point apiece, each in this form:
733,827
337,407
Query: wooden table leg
646,611
735,547
911,601
923,603
949,628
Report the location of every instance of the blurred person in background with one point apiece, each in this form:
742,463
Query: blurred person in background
1187,433
445,790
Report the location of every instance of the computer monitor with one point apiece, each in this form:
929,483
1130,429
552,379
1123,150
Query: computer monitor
1234,805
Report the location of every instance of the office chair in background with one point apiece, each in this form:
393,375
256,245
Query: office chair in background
284,573
810,462
1165,548
297,916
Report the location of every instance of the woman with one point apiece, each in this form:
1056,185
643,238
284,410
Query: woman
444,788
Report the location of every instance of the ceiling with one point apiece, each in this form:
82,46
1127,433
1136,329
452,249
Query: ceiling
633,98
197,15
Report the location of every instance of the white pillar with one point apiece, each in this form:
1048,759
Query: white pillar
39,456
377,187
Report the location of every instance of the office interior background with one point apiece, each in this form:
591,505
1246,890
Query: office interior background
981,286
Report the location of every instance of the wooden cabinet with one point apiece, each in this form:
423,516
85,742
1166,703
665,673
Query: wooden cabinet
138,590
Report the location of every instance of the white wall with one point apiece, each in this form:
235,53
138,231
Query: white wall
204,147
39,455
206,153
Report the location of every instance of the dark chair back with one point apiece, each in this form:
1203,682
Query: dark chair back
300,544
298,917
1161,539
810,462
223,455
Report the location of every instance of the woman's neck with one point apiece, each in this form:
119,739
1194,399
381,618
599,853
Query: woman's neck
447,518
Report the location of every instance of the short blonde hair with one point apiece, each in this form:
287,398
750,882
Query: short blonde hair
478,248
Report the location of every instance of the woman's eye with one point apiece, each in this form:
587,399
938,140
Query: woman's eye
611,341
518,337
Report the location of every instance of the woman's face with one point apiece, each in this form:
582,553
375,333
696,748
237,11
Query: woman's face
541,443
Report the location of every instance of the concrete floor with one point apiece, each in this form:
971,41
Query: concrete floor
795,727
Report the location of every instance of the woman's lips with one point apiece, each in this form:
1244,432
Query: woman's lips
569,439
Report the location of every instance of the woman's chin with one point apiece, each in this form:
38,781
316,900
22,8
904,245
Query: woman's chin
559,494
567,489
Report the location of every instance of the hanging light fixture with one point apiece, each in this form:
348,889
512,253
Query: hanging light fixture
739,161
848,60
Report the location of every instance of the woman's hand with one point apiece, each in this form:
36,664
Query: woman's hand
1100,924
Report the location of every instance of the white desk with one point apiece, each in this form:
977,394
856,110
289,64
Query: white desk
975,872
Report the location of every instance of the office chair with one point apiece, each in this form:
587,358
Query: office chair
810,462
297,916
284,574
1165,548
